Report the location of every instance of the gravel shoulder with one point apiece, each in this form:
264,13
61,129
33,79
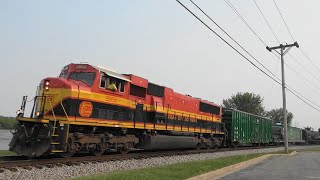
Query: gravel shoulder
68,172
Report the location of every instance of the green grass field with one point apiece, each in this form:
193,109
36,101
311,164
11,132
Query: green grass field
174,171
6,153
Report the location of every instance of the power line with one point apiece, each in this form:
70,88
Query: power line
304,67
247,24
302,99
244,21
256,34
283,20
242,54
265,19
290,54
309,59
233,39
304,79
293,40
227,42
289,87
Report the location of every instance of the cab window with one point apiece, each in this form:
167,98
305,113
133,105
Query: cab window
85,77
111,83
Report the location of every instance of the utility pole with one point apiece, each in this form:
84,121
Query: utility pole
283,51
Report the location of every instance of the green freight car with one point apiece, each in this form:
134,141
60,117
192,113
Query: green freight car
245,129
294,135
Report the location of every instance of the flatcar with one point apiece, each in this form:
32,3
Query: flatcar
93,109
245,129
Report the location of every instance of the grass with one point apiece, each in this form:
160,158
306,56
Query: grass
6,153
174,171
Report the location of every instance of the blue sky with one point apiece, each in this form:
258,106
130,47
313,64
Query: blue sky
157,40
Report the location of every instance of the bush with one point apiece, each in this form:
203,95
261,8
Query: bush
8,122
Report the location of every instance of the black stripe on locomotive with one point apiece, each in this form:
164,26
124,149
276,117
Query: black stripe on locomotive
140,114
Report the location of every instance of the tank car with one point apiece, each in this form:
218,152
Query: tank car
93,109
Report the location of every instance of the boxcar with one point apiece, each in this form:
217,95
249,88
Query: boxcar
294,135
245,129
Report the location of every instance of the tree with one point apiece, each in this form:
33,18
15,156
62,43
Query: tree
277,116
247,102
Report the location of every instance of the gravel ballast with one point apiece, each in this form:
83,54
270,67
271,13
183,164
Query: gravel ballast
67,172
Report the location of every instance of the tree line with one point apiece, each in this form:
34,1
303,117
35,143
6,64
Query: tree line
7,122
253,103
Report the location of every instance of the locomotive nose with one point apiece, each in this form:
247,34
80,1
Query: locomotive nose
52,91
54,83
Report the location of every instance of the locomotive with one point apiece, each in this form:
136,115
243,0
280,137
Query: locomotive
94,110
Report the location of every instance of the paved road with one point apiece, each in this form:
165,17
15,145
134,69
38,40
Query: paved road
305,165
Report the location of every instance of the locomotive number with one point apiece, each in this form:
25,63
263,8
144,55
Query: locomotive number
111,99
50,98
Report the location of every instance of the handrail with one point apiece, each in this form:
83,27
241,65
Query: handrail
64,110
55,119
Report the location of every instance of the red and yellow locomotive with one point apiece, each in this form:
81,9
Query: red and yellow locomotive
92,109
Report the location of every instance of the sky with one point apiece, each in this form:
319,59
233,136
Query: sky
161,41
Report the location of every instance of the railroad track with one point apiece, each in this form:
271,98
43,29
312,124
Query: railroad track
13,162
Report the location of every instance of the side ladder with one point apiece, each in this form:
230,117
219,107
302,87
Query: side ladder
56,146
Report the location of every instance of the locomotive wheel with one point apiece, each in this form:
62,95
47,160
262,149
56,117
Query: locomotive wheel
208,146
67,154
123,150
198,146
98,151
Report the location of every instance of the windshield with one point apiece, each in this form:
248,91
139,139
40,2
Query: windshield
85,77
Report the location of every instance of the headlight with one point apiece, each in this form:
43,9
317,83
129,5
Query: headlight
38,113
47,83
46,88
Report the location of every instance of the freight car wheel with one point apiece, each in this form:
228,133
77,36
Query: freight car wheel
233,146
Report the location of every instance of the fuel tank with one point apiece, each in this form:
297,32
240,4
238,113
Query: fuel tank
164,142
